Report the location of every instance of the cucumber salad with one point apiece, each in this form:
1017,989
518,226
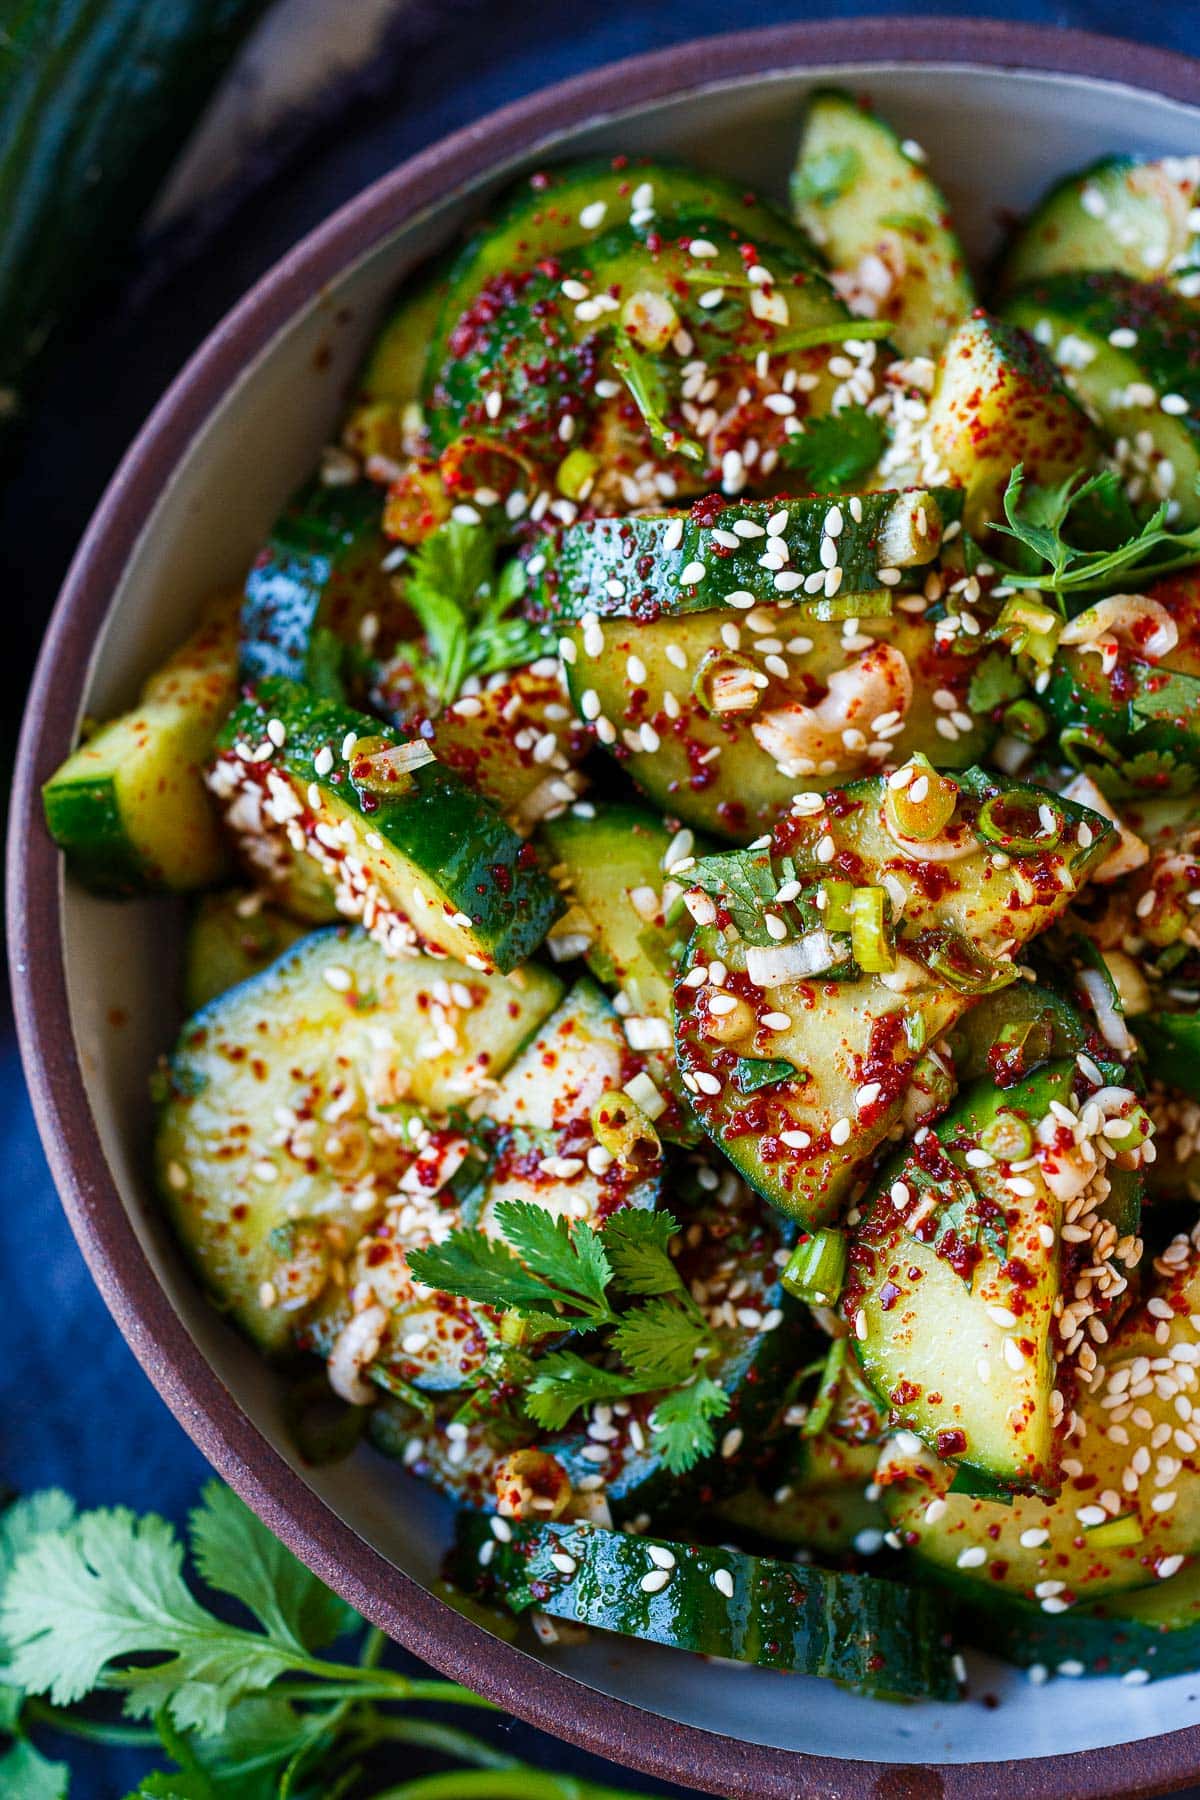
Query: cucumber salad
694,979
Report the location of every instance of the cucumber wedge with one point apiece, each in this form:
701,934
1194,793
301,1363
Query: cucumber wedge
408,846
848,1048
129,808
997,401
729,762
732,556
320,604
517,743
339,1040
956,1268
865,198
820,1503
1120,213
233,934
1148,381
876,1636
1130,1465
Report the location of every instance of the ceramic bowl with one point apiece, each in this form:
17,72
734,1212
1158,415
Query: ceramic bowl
1001,109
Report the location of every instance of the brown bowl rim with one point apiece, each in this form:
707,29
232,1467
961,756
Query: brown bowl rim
545,1697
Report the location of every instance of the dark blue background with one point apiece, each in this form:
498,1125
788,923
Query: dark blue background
74,1407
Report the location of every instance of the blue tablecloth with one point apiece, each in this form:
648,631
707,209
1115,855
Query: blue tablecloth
74,1407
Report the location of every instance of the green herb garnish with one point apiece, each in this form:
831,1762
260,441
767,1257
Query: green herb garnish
648,390
836,450
1038,518
97,1604
619,1280
464,605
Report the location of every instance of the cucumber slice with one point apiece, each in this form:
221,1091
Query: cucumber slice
1145,1635
319,601
649,690
1131,724
411,850
821,1502
128,808
610,868
1120,213
531,1146
853,1046
1151,385
517,743
957,1266
338,1039
864,196
555,211
232,935
677,563
998,401
876,1636
608,351
1127,1462
394,369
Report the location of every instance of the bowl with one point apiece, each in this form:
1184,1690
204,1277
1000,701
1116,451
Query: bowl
1001,109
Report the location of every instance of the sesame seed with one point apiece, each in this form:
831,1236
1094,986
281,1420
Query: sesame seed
655,1581
973,1557
1175,404
566,1565
692,573
722,1580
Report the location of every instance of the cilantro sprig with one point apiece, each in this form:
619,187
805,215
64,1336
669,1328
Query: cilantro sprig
552,1276
99,1604
1040,519
464,606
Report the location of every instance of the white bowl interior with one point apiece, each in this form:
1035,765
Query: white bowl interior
995,139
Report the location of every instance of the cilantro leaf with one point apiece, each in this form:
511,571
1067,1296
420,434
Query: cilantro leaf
462,606
637,1245
995,681
564,1382
683,1423
237,1555
1038,518
111,1586
823,176
480,1268
26,1773
743,882
648,390
659,1340
837,449
571,1258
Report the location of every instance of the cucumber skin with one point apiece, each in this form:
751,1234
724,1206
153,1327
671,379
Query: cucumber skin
85,819
441,825
539,217
315,547
880,1637
597,549
99,96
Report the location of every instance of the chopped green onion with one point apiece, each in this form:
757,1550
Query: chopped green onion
869,942
1138,1128
1028,626
1025,719
871,603
812,337
575,473
961,966
1007,1137
816,1269
924,806
837,898
621,1127
1017,821
1116,1534
728,682
820,1411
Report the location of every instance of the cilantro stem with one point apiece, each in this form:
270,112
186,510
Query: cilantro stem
337,1680
93,1731
373,1646
520,1782
431,1734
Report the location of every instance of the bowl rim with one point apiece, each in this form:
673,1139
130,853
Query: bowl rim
543,1696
